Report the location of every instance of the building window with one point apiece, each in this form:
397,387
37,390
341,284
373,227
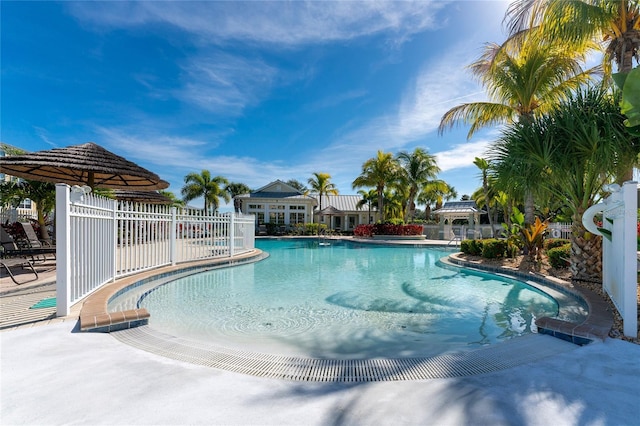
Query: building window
276,207
256,207
296,207
276,217
25,204
296,218
260,218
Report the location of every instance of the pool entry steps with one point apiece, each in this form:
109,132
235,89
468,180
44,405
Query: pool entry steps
512,353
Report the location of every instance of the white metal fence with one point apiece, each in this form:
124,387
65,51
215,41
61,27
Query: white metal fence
99,240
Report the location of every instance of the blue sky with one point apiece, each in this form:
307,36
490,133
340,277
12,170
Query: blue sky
253,91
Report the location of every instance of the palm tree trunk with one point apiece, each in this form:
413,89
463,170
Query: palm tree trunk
529,208
586,253
486,203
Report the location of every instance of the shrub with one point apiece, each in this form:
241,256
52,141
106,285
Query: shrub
472,247
312,228
559,256
363,231
550,243
493,248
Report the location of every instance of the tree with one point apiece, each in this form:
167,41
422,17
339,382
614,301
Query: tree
203,185
524,78
484,166
378,172
297,185
234,189
614,23
436,192
321,185
43,194
175,201
417,168
574,150
369,198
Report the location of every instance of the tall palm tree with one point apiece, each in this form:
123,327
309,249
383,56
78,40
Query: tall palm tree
523,78
616,23
234,189
203,185
436,192
369,199
484,167
321,184
417,168
575,150
378,172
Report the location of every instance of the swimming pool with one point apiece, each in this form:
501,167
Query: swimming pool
346,301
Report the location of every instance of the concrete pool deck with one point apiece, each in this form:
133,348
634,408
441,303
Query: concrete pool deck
51,375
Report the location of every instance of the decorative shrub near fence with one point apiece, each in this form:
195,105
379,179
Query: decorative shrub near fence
386,229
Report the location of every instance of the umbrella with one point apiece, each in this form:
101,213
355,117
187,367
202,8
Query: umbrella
330,211
86,164
146,197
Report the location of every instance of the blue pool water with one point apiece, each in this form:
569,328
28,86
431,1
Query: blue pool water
346,300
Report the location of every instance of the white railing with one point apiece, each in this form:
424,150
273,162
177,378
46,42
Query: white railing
99,240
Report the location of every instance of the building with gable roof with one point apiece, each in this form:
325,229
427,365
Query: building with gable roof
281,204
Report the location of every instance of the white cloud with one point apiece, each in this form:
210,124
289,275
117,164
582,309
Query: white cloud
461,155
285,23
225,84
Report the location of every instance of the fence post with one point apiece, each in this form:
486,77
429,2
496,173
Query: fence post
114,219
232,233
172,238
63,249
629,264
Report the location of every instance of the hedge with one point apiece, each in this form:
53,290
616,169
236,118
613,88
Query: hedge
559,256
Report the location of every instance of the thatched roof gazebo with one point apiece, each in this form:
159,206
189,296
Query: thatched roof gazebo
86,164
144,197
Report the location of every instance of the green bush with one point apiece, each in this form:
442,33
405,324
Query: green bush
559,256
471,247
550,243
493,248
312,228
467,247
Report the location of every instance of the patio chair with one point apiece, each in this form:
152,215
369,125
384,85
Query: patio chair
8,263
11,249
32,239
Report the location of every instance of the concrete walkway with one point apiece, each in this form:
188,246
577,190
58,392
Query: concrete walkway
52,375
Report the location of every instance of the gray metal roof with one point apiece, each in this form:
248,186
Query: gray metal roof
344,203
459,207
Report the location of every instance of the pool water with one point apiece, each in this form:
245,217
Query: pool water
347,301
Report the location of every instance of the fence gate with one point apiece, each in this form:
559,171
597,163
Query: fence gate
619,248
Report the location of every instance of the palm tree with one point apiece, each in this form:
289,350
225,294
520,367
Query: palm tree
321,184
378,172
234,189
436,192
418,168
616,23
484,167
574,150
203,185
43,194
524,78
369,198
175,201
297,185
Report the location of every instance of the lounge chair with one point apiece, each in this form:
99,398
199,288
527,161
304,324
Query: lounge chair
8,263
32,238
11,249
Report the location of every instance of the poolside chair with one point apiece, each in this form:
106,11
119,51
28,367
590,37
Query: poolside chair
11,249
25,263
32,238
